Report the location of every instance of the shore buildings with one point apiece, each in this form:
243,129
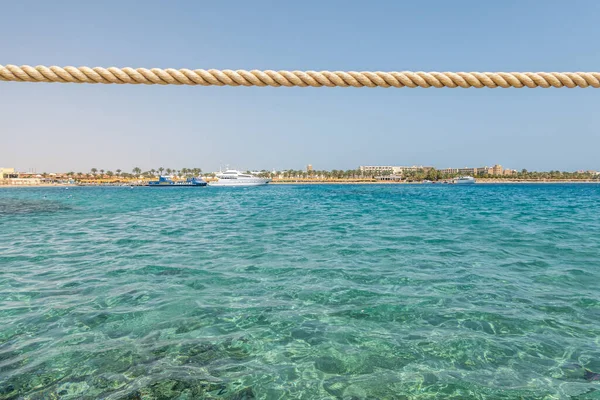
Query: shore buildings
8,173
496,170
391,169
397,171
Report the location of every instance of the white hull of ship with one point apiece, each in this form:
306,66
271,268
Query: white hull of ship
239,183
464,181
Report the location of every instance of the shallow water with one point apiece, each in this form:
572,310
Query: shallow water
307,292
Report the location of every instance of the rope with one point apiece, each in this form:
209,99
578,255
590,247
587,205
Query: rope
214,77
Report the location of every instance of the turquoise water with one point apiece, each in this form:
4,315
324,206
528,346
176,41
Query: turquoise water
300,292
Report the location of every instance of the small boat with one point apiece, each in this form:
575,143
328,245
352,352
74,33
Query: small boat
464,180
232,177
427,181
165,181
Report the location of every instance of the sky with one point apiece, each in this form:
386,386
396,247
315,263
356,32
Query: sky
68,127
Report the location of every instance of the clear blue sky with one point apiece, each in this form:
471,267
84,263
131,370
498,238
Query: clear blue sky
77,127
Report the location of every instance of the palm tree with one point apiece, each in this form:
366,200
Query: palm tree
168,171
118,172
153,171
136,171
197,171
94,170
161,169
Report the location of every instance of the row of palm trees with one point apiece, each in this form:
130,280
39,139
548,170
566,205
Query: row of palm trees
137,172
418,175
422,174
322,174
434,175
524,174
316,174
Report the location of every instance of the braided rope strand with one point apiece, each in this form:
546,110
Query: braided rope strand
214,77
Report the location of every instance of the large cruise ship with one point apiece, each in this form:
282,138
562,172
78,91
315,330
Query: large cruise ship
232,177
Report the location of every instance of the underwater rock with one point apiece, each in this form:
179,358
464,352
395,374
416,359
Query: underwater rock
244,394
72,390
335,386
591,376
330,365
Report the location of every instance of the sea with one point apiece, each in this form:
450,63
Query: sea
301,292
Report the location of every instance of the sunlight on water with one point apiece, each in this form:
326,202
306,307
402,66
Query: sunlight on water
306,292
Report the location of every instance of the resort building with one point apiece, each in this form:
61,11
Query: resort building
468,171
391,169
8,173
394,171
376,169
309,168
24,181
449,170
495,170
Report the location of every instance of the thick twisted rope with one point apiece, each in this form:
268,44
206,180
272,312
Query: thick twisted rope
213,77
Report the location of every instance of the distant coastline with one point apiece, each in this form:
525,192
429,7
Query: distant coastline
480,181
365,174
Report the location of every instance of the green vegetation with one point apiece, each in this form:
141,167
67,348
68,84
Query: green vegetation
420,175
323,175
434,175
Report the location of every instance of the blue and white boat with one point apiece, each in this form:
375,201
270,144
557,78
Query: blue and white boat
165,181
464,180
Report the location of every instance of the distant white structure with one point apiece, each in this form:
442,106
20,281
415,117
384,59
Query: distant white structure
232,177
6,173
392,169
24,181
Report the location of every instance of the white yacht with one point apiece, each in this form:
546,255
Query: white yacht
464,180
232,177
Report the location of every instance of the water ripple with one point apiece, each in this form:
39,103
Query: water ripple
420,292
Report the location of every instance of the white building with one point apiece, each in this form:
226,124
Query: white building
392,169
6,173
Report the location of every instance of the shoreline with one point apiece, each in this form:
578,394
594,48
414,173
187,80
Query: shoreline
478,182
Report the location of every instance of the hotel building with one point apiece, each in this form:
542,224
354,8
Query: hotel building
8,173
392,169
